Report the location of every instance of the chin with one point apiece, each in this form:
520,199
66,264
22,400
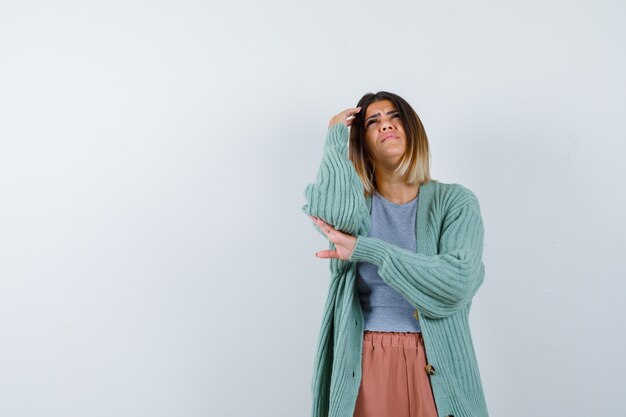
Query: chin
395,155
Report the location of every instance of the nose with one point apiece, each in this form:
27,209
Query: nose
386,124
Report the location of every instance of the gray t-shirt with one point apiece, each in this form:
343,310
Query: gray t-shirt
384,309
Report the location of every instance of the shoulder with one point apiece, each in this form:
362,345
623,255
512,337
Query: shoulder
452,196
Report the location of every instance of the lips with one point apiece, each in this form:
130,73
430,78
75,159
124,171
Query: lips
389,136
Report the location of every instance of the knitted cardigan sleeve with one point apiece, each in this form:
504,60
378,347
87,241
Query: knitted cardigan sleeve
438,285
337,197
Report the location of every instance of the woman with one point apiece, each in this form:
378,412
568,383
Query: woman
406,259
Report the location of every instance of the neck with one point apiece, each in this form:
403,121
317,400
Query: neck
392,187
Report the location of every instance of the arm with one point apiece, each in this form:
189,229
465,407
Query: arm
438,285
337,197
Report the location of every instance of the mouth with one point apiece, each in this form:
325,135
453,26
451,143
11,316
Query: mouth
389,136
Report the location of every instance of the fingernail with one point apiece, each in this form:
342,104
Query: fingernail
316,255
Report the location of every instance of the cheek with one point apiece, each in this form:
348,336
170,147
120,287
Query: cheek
403,133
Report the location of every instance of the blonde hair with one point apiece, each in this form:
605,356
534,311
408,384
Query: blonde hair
415,163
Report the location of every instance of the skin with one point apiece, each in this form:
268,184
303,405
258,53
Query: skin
386,140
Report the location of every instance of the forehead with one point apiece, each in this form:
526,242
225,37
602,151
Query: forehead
378,107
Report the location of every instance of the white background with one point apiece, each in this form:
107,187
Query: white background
154,260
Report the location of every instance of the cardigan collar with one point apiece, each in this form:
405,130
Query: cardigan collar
425,193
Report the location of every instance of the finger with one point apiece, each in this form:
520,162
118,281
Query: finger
352,116
331,233
320,223
326,254
351,112
328,229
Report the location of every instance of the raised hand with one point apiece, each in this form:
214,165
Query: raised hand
346,117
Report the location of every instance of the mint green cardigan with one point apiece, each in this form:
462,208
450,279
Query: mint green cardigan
439,280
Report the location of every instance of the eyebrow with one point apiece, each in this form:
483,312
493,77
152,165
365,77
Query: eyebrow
378,114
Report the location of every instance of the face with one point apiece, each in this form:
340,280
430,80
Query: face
384,133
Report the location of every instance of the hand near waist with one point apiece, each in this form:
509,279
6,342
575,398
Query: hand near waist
344,243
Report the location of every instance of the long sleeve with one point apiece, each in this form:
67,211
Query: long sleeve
439,285
337,197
